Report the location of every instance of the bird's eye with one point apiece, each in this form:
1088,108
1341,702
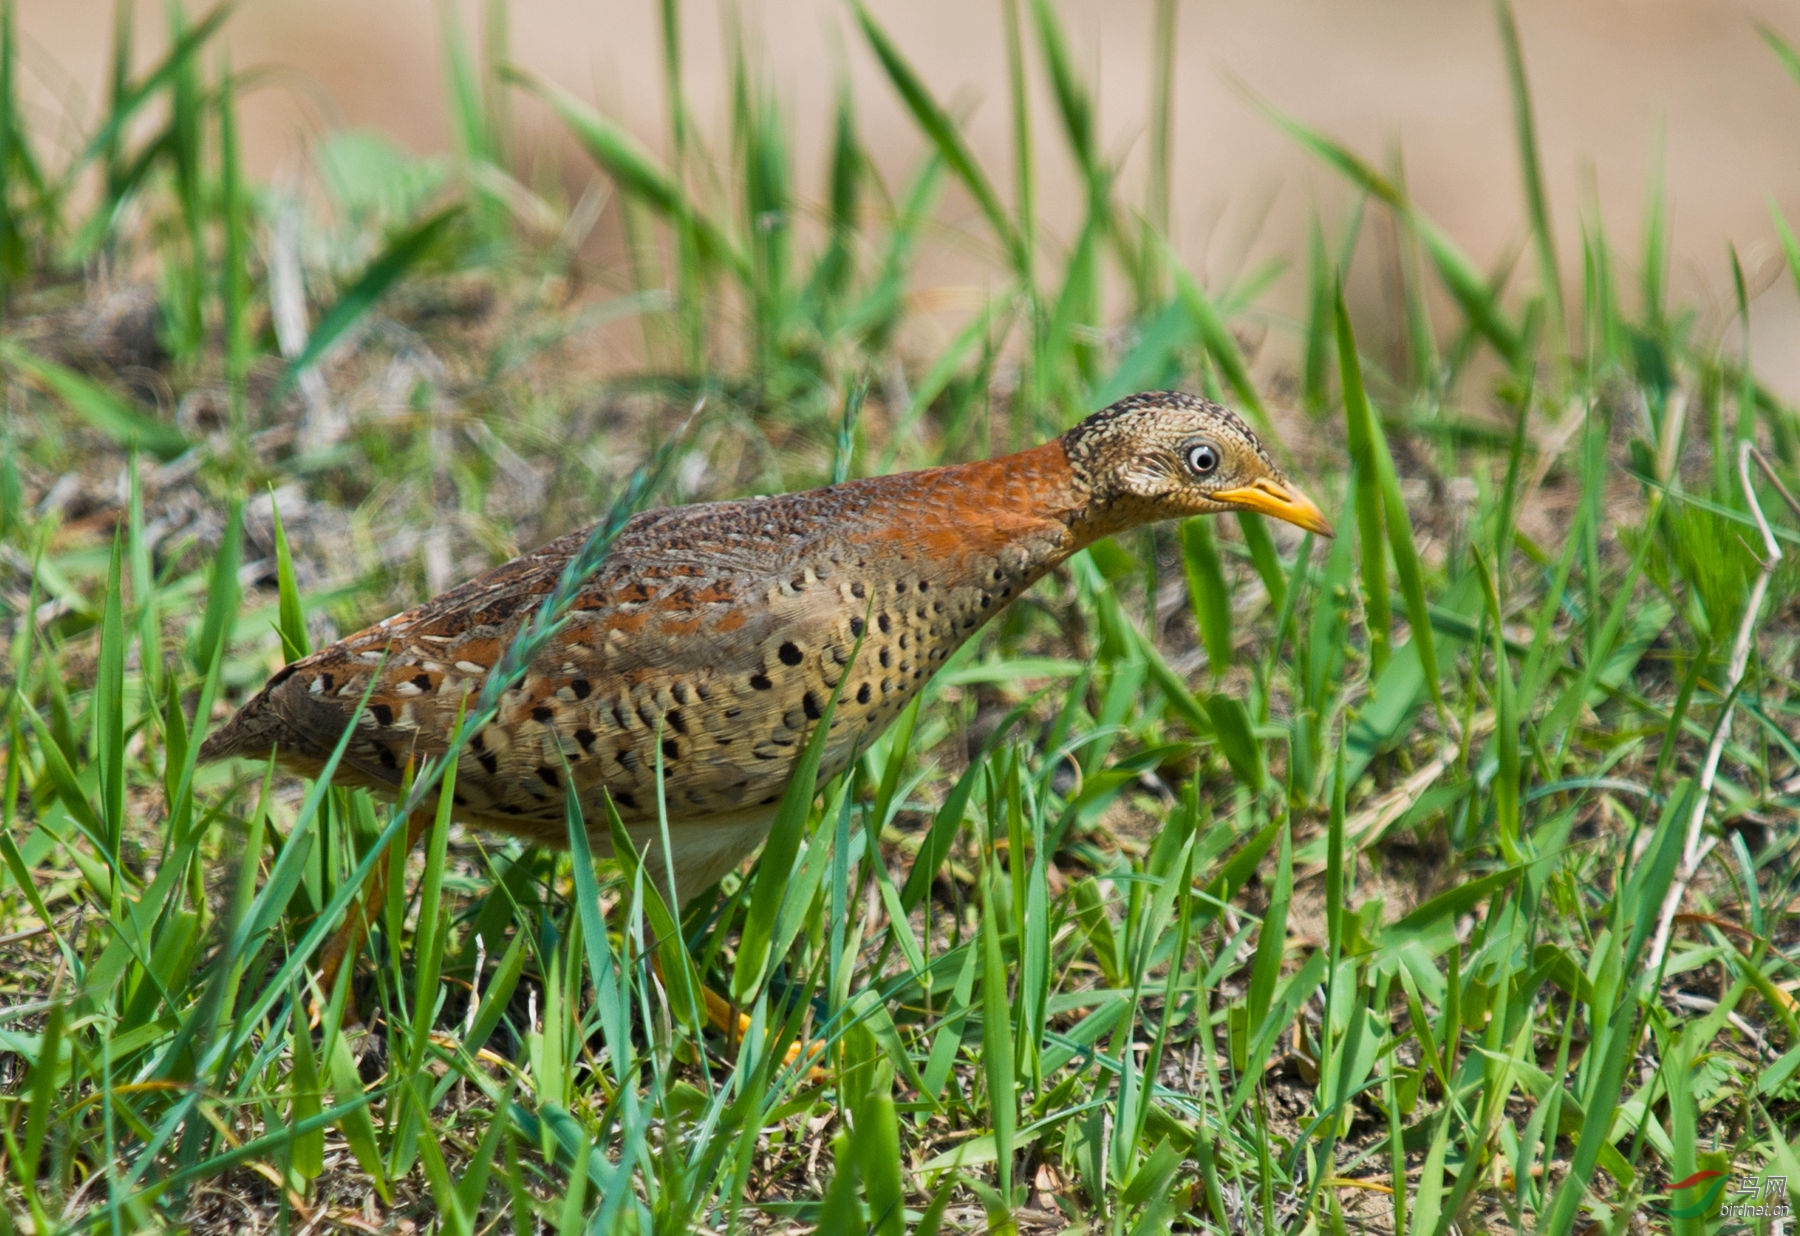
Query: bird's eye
1203,458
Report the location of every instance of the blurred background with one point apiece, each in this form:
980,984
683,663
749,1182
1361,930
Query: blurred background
1617,85
311,310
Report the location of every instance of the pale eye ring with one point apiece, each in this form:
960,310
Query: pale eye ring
1203,458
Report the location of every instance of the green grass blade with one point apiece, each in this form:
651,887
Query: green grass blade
1219,344
943,134
1208,594
997,1047
1072,103
681,980
1235,736
109,710
779,851
1359,421
1789,245
609,993
397,259
1271,942
1408,566
635,170
876,1142
99,407
1531,169
129,96
1654,265
290,621
1784,50
1023,148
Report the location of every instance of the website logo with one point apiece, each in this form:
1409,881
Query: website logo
1749,1197
1706,1199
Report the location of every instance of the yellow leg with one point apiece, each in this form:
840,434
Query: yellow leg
724,1017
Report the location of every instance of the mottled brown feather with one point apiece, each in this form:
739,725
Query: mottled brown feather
716,634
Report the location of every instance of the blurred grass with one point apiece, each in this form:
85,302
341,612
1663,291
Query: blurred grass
1228,883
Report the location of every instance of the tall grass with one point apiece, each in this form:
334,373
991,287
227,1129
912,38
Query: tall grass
1229,883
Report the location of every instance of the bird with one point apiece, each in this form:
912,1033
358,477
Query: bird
708,644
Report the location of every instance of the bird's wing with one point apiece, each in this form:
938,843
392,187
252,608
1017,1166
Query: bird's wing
709,639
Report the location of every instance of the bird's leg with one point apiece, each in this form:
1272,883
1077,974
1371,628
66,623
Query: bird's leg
734,1024
348,938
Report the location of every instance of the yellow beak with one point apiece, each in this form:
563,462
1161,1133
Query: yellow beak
1267,496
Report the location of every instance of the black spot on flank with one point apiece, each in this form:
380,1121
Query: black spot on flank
968,624
937,607
458,799
628,760
789,653
886,658
760,682
998,575
281,675
326,681
809,704
386,757
490,762
478,743
626,800
899,586
512,809
797,583
986,600
671,750
732,714
858,591
1006,592
422,681
887,684
382,713
862,694
542,713
924,586
676,721
905,639
548,776
771,798
580,687
857,626
647,714
680,692
882,621
585,737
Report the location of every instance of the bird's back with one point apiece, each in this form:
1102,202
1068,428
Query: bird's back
712,637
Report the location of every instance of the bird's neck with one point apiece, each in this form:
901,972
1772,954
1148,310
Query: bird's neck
1027,512
1047,486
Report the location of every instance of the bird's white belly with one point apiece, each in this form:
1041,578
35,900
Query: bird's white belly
705,850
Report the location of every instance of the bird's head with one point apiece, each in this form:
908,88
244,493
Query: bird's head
1167,455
